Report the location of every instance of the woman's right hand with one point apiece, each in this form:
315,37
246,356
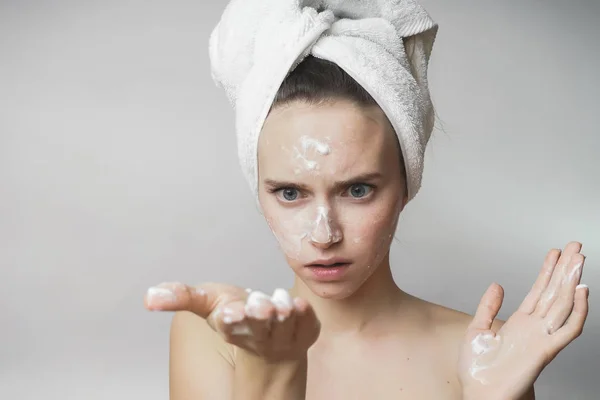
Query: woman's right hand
275,328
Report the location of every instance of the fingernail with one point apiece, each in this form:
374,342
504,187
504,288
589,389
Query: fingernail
227,312
159,294
241,330
231,316
200,291
581,286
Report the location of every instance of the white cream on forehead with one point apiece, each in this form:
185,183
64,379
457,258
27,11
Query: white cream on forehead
308,143
320,147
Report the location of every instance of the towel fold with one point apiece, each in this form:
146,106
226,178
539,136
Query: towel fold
257,43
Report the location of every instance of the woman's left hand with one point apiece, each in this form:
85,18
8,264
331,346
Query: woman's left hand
505,364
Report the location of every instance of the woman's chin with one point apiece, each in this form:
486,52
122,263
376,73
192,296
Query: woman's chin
332,291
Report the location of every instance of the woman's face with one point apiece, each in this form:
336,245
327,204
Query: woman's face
331,189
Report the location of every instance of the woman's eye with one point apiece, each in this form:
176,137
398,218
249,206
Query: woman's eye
359,190
289,194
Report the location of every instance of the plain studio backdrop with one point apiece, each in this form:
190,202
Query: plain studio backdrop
118,170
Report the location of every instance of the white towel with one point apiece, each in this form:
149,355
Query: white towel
257,43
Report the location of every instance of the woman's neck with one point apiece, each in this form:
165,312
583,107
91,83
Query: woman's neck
377,299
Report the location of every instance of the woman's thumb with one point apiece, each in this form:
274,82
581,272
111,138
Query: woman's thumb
488,308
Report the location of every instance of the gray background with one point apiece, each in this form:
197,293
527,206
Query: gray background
118,170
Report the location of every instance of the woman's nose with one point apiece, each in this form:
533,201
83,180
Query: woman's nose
325,231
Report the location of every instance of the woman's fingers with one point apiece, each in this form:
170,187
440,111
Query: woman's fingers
563,305
282,331
259,315
265,325
550,293
574,325
175,296
271,326
542,281
308,326
488,308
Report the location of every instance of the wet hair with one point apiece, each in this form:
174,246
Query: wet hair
316,81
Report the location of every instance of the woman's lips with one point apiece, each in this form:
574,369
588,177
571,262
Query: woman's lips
329,262
329,272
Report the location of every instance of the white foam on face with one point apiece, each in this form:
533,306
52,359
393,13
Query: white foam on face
307,143
321,226
310,165
320,147
323,229
305,223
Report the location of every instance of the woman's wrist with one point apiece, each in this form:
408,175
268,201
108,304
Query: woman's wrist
258,378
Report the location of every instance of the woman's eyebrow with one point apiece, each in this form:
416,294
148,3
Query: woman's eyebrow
276,184
361,178
367,177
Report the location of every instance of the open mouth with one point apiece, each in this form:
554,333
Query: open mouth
338,264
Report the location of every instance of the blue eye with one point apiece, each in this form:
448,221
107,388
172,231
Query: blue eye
289,194
359,190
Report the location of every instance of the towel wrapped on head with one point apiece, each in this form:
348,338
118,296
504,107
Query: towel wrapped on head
257,43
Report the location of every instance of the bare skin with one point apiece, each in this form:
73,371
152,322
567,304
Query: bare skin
331,185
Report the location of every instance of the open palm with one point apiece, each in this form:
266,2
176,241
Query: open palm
506,363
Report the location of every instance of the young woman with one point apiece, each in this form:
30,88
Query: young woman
332,183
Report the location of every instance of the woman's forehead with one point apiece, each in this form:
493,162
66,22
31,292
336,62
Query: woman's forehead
340,134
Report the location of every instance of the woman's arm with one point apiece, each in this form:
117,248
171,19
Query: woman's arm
200,366
256,379
270,338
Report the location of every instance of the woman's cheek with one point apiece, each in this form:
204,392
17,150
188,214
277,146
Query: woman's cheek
290,232
373,235
363,225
